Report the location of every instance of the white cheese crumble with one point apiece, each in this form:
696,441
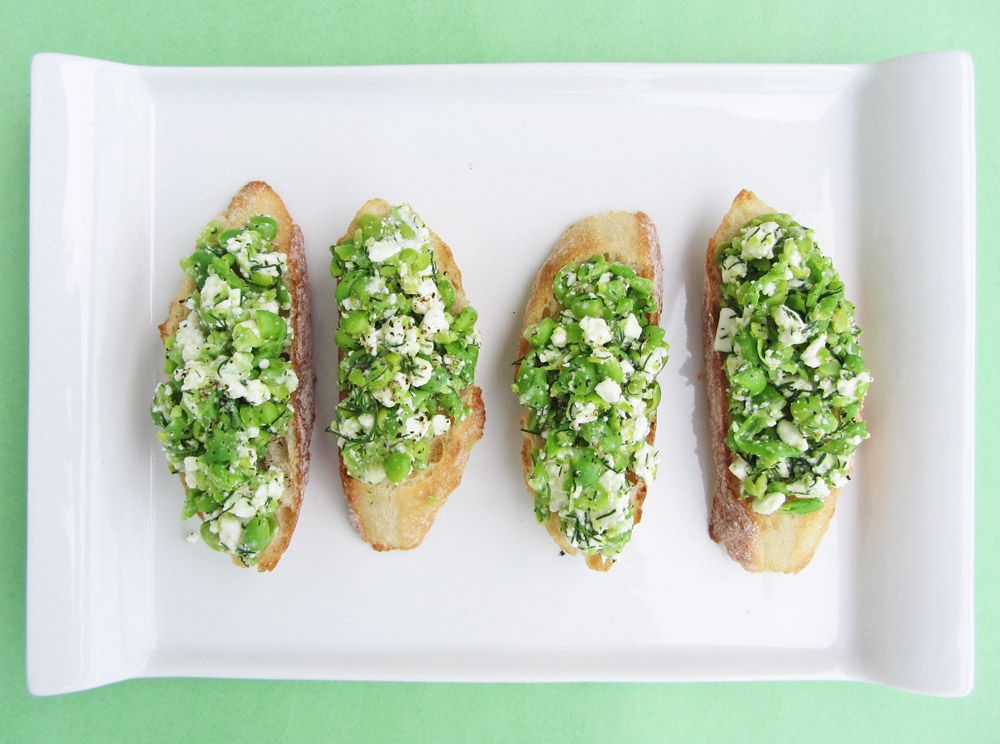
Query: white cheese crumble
769,503
440,424
609,390
726,330
595,331
631,328
789,434
810,357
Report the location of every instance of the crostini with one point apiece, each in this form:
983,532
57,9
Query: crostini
409,413
588,358
236,411
785,385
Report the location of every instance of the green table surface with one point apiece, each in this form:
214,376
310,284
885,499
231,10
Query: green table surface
193,32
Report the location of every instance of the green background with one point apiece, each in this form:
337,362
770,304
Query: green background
248,32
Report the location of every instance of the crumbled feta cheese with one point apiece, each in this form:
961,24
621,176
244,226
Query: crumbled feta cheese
421,373
376,286
382,250
655,361
242,509
230,531
595,330
609,390
769,503
726,330
416,426
582,413
789,434
189,338
350,428
440,424
739,467
733,269
435,320
792,328
631,328
558,337
257,392
810,357
646,463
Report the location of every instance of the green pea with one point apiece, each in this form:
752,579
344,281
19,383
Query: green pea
409,256
586,468
371,226
205,503
379,374
267,413
801,506
397,466
423,260
246,336
265,226
345,251
345,285
209,537
221,448
533,386
653,335
447,293
256,535
593,308
853,363
271,325
228,235
539,333
356,377
336,268
466,319
262,279
406,231
622,270
190,507
641,285
355,323
611,368
345,340
751,378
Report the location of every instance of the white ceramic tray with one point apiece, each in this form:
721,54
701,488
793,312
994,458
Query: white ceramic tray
128,163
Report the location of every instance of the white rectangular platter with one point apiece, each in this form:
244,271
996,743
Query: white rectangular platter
127,165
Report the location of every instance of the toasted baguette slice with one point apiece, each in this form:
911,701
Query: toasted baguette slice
397,516
291,454
776,542
627,238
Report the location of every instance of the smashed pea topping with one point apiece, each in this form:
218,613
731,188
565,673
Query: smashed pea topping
408,349
792,359
589,382
229,380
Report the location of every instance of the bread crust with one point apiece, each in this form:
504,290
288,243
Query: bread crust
391,516
291,453
628,238
777,542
